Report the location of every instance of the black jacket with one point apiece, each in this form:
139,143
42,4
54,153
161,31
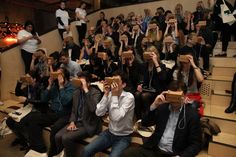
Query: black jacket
91,122
75,52
187,141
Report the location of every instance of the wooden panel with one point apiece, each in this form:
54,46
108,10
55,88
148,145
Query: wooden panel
226,126
222,71
221,85
218,112
220,78
223,62
218,150
219,100
231,45
225,138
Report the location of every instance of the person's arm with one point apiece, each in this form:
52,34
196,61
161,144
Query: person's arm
92,97
197,70
60,21
194,138
117,112
102,106
66,94
167,29
18,90
159,34
75,103
32,64
176,29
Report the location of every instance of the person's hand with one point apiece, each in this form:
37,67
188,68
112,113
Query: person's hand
61,81
154,59
49,62
106,88
140,88
115,90
67,28
84,85
131,60
191,61
71,127
21,99
34,57
50,82
160,99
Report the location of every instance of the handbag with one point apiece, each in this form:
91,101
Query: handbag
226,14
17,115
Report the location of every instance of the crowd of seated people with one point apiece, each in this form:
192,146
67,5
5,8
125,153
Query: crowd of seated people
142,56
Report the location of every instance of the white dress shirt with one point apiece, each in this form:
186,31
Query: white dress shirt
121,112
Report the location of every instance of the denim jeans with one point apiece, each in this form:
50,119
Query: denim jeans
106,140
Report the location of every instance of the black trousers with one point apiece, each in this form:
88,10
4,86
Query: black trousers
57,126
233,88
143,152
19,128
27,57
225,35
37,121
81,32
69,140
61,31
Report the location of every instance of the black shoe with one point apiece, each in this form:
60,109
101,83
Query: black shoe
16,141
231,108
221,55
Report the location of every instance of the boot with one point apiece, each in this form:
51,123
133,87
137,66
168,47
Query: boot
231,108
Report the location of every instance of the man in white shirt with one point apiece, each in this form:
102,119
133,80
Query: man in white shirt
120,107
62,19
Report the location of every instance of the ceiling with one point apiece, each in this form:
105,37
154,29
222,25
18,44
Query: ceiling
48,5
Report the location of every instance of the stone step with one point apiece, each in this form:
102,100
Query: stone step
226,126
232,45
220,100
223,71
220,150
220,78
225,138
223,61
221,86
215,111
230,52
221,93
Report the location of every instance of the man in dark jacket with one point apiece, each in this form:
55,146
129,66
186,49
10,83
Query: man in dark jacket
83,121
72,48
178,131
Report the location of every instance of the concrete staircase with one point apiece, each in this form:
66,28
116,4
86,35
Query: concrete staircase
216,100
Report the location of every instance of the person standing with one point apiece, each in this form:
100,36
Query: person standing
62,19
29,41
81,17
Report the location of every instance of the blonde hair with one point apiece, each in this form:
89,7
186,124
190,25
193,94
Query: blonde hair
154,49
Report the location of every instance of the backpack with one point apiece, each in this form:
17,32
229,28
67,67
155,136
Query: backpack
209,128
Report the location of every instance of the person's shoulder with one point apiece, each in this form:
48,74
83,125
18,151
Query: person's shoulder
128,94
78,9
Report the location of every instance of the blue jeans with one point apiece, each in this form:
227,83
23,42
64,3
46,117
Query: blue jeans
106,140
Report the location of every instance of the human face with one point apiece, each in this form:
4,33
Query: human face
63,5
83,6
102,16
64,60
29,28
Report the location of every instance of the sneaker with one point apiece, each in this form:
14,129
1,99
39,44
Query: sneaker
33,153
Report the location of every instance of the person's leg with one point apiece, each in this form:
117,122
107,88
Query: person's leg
70,140
138,104
80,33
27,57
102,142
225,37
37,121
119,145
205,56
59,124
61,31
83,32
138,152
232,106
